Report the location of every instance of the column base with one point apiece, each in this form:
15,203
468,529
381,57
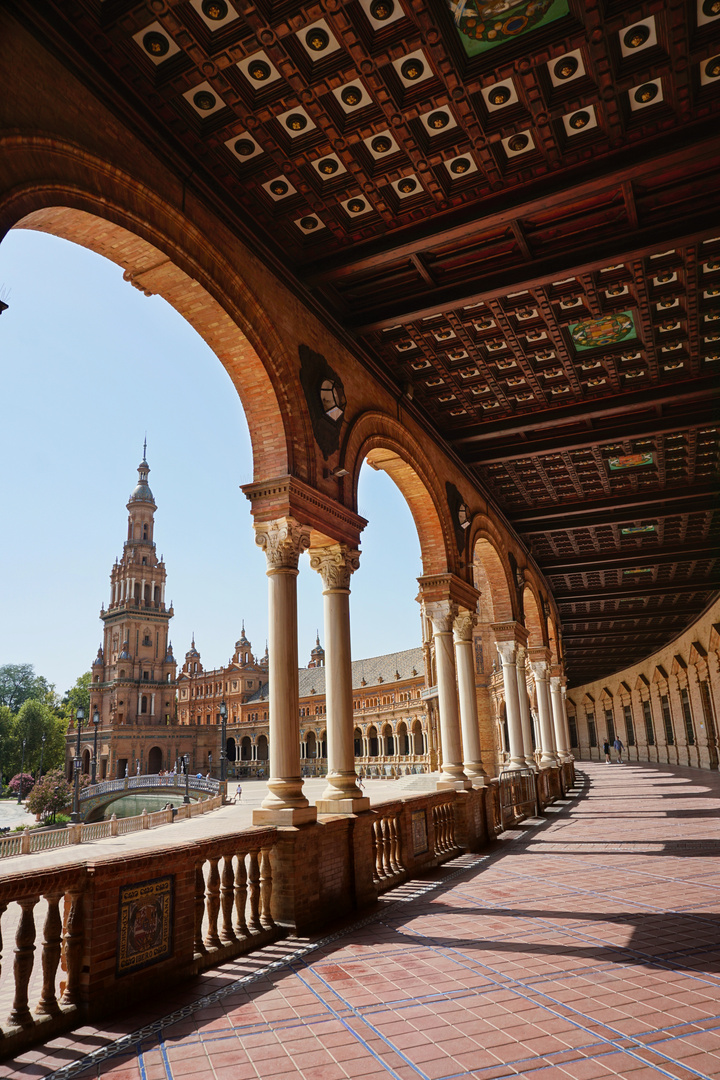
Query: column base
452,784
285,815
476,774
343,806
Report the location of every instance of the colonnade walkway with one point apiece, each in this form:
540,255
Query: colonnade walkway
585,945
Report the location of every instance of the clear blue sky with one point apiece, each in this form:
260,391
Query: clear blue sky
88,365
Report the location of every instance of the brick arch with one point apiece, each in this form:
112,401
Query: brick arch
533,618
83,199
386,445
491,576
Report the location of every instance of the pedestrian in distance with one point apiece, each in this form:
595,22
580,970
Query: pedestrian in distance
238,793
618,749
606,751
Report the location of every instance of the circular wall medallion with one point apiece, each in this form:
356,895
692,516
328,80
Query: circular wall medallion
279,187
712,68
356,206
317,39
460,166
215,9
646,92
156,44
259,71
308,223
382,9
296,122
566,67
499,95
438,120
244,147
205,100
381,144
579,120
518,142
636,36
328,166
351,96
711,8
412,70
406,187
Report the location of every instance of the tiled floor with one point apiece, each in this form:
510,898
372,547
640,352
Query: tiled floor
585,946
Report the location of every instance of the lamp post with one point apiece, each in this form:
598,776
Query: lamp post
96,725
186,766
210,762
75,816
22,770
42,751
223,743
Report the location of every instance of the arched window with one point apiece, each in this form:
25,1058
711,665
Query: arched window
145,532
144,704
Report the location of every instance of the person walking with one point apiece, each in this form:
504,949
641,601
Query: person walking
606,751
238,793
618,749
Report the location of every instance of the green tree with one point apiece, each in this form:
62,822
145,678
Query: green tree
77,697
8,762
18,683
32,722
52,795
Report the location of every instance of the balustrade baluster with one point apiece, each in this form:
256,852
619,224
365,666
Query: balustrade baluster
212,903
254,891
227,934
199,945
23,962
387,868
266,918
377,850
241,896
394,853
51,950
72,947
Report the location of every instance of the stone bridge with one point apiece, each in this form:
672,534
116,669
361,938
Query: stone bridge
95,799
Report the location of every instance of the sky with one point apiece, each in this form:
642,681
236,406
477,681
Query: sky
88,366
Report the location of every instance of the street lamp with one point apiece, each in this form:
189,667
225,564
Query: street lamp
42,751
210,762
75,816
22,770
96,725
223,743
186,766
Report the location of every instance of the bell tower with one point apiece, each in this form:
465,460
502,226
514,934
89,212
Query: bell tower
134,673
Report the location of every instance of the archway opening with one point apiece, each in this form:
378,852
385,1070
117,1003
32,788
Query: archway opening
262,748
155,759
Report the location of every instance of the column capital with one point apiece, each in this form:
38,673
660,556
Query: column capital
539,669
336,564
463,625
442,614
555,683
507,651
283,541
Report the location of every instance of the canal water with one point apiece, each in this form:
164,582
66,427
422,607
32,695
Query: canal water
132,805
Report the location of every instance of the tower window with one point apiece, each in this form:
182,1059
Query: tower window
145,534
146,675
144,561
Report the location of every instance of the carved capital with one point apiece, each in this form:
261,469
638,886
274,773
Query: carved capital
539,669
283,541
506,651
441,614
336,564
463,625
556,683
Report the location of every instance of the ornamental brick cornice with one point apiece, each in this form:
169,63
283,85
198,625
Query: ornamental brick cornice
510,631
286,496
436,587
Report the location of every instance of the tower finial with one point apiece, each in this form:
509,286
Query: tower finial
145,447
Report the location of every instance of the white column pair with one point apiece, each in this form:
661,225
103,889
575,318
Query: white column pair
452,636
283,541
517,706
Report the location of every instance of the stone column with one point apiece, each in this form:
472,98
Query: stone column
508,658
442,614
566,722
540,671
335,564
282,541
463,638
525,718
561,740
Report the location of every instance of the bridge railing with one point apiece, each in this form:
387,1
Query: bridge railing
207,784
29,841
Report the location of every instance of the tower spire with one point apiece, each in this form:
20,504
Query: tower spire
145,448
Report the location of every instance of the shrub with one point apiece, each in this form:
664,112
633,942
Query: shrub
51,795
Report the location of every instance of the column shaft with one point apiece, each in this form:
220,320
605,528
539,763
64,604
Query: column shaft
547,737
506,650
525,718
463,628
442,613
558,718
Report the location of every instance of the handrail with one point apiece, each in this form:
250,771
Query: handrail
132,783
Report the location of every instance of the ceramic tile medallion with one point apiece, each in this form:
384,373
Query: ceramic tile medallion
145,924
483,24
609,329
419,832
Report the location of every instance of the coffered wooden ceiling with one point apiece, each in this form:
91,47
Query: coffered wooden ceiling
513,211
